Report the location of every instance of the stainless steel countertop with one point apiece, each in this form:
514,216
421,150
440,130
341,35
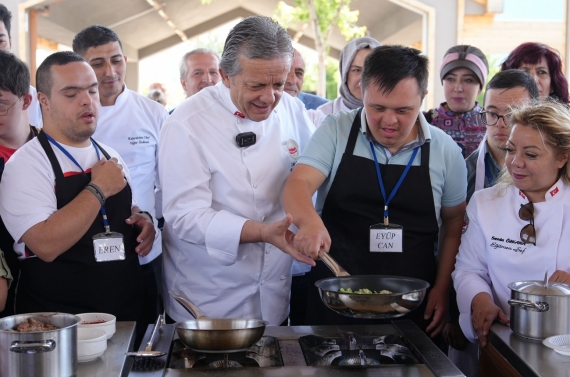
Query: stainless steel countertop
295,365
528,357
114,362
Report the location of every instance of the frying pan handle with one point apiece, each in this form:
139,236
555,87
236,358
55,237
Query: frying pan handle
336,269
187,304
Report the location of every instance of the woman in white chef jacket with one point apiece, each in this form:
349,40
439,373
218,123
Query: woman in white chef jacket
515,230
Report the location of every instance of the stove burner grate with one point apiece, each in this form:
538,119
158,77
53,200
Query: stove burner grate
265,353
351,350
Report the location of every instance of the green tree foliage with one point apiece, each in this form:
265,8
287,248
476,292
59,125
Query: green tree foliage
321,16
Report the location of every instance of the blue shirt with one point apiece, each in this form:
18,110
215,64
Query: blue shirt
446,166
312,101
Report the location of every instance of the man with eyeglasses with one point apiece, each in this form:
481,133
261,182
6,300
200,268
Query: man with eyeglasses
508,88
15,131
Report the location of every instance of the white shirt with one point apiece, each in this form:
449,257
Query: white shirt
27,192
132,126
492,256
332,107
211,187
34,111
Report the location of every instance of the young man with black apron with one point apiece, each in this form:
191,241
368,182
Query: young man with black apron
415,188
81,257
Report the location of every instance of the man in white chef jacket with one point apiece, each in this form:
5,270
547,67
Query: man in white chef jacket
129,123
224,157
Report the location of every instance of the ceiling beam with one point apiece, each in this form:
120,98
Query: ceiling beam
194,31
214,23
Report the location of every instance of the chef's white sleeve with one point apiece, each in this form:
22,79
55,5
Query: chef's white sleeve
187,198
471,275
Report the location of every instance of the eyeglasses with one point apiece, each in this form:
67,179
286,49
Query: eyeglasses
491,119
4,110
528,233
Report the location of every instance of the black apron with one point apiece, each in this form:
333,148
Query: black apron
74,282
354,203
7,247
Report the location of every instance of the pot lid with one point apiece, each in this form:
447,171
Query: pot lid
537,287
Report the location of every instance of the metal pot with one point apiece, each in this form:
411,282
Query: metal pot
41,353
539,309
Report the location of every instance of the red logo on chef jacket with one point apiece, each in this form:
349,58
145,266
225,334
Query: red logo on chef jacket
240,115
521,194
465,223
554,192
292,148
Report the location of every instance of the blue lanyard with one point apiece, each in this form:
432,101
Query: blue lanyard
65,152
488,174
395,190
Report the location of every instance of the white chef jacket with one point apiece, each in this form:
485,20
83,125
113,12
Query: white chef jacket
132,126
491,254
211,187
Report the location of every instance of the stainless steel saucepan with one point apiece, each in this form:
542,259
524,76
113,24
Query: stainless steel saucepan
407,293
216,335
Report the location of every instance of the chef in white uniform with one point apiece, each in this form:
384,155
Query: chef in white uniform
224,157
516,230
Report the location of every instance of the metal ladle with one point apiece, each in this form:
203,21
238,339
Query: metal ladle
148,352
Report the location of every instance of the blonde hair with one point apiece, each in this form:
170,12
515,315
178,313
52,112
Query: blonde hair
552,121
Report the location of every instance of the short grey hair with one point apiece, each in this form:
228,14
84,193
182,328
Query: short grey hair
183,69
256,37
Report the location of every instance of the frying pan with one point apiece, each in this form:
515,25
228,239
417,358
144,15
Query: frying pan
216,335
407,293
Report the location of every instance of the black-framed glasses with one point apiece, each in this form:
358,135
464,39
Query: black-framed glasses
489,118
528,233
4,110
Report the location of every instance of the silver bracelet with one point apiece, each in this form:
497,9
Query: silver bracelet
97,194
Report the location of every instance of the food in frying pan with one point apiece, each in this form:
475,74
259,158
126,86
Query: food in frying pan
364,291
34,325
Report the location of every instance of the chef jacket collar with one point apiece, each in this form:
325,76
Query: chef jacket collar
226,100
554,193
424,134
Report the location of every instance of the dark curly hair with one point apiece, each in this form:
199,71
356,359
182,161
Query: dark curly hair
531,53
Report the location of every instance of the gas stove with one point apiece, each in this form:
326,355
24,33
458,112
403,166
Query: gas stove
400,349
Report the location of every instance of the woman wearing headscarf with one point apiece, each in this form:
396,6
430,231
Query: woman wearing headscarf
350,66
544,64
463,73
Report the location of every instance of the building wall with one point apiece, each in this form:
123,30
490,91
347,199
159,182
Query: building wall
501,37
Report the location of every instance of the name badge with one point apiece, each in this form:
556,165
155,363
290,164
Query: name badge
108,247
386,238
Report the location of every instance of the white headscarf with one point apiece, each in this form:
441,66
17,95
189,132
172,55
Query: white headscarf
345,61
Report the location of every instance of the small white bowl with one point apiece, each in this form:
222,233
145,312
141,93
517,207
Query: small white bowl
559,343
91,343
101,321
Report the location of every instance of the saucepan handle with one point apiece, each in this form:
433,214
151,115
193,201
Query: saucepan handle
336,269
187,304
529,305
32,347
